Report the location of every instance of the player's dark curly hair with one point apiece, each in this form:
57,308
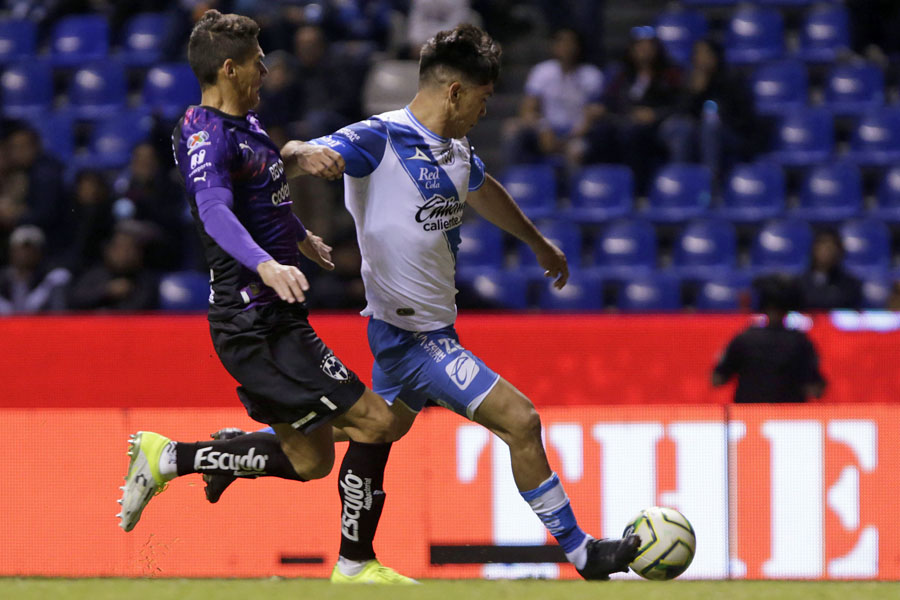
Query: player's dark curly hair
216,38
468,50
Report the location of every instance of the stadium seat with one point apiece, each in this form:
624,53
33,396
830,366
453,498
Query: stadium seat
143,39
753,193
624,247
726,292
184,291
600,193
566,236
754,35
56,130
78,39
113,139
18,39
705,247
830,192
170,88
876,289
824,33
481,245
583,292
533,187
781,245
803,137
27,89
389,84
678,30
680,192
851,89
780,86
867,245
97,90
650,292
876,138
506,289
888,205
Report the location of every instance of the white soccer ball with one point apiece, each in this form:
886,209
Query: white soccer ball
667,543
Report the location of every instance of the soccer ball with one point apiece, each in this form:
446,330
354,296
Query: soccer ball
667,543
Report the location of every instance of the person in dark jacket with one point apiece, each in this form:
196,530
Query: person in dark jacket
827,286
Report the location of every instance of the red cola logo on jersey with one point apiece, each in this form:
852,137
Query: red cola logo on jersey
440,213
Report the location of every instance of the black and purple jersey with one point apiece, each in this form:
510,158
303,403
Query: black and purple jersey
216,150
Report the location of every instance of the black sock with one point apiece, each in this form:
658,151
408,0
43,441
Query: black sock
250,454
360,485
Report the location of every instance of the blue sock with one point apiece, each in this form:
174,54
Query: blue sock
551,504
265,430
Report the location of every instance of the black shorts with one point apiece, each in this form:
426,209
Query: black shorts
287,374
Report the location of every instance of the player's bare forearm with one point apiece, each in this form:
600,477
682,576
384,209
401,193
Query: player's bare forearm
303,158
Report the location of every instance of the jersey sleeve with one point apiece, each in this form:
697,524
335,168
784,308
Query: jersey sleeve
361,145
476,174
203,156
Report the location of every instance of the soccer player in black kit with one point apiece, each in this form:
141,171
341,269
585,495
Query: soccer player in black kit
236,183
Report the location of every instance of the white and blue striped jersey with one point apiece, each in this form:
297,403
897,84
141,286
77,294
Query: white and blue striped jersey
406,189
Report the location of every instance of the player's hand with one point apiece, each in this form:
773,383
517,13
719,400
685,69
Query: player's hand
316,250
319,161
287,281
553,261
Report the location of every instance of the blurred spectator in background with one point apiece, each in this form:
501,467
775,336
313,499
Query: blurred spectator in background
27,285
643,94
120,282
342,288
36,195
713,118
561,108
91,221
427,17
771,362
827,286
893,301
280,96
146,192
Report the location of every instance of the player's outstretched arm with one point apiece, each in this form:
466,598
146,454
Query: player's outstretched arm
303,158
494,203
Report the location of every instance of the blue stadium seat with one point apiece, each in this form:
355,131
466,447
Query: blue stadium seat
888,206
481,245
583,292
876,289
678,30
27,89
781,245
113,139
867,245
498,287
803,137
753,193
600,193
876,138
625,246
854,88
754,35
780,86
170,88
825,33
56,130
705,247
78,39
680,192
533,187
184,291
726,292
830,192
97,90
566,236
18,38
143,39
650,292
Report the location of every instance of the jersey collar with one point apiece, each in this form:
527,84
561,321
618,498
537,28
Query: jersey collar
423,129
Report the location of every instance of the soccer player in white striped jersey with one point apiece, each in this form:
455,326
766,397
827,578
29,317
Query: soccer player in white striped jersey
408,175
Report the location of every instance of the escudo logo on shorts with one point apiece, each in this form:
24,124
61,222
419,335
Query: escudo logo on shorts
462,370
334,368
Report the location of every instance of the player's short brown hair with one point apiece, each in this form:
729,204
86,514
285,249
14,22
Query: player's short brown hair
468,50
216,38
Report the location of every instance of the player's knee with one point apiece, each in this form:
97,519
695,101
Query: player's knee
525,423
317,467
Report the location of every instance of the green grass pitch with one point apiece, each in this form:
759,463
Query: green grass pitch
291,589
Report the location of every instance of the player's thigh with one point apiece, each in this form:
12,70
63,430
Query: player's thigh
404,415
508,413
370,420
311,453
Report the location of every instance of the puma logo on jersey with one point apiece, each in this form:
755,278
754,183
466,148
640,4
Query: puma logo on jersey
419,155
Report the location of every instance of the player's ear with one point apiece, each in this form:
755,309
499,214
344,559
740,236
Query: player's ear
453,91
228,67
